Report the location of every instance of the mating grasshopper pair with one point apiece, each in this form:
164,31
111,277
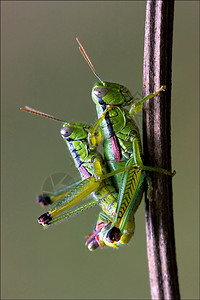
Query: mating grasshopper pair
115,182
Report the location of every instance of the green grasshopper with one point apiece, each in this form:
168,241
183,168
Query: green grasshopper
122,148
91,167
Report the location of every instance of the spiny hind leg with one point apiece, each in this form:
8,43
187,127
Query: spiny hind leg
46,199
74,196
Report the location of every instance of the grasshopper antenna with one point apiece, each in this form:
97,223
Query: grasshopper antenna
39,113
82,50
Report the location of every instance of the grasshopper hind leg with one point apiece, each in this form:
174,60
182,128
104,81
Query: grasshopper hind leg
51,198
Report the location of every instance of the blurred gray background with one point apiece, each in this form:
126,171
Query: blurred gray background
43,68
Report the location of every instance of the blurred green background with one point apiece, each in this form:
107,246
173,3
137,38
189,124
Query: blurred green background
43,68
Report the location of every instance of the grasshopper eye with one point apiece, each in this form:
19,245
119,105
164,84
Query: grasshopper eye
100,92
66,131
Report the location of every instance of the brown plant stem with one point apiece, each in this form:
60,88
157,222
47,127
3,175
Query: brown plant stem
157,150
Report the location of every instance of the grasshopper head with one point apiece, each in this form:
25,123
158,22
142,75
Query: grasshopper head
74,131
108,93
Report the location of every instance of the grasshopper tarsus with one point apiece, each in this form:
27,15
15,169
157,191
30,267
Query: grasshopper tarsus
44,219
43,200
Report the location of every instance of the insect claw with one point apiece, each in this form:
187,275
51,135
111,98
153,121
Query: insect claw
174,173
88,235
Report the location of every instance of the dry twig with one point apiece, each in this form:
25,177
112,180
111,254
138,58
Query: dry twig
157,150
